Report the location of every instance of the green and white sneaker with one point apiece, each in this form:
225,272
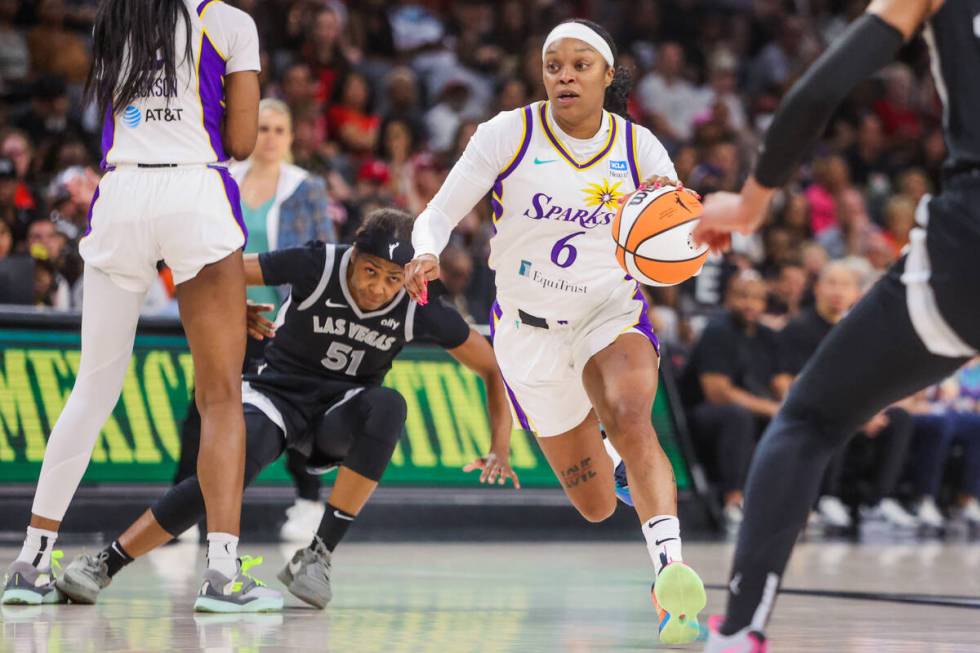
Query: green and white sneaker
85,577
678,595
307,575
243,593
25,584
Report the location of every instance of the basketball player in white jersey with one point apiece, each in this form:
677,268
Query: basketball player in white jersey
571,332
179,84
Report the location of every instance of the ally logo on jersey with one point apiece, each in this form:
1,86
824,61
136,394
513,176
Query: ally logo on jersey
600,206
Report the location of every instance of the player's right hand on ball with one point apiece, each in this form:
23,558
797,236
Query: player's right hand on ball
259,327
418,273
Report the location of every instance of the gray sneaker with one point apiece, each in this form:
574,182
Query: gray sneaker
239,594
85,577
307,575
25,584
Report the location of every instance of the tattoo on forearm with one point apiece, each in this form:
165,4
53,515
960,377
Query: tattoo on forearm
579,473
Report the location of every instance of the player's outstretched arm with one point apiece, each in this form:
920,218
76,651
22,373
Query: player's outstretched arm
477,354
253,271
868,44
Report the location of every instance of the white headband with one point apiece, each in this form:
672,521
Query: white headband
573,30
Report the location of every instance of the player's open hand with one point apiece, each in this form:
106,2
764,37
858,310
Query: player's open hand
494,468
259,327
418,273
728,213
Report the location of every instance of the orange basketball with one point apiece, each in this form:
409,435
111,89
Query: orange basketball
652,230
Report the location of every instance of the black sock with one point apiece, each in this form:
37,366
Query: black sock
117,558
333,527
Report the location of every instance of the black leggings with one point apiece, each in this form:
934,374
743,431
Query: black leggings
360,433
870,360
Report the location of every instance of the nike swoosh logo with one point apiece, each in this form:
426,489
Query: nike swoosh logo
669,539
331,304
538,161
339,515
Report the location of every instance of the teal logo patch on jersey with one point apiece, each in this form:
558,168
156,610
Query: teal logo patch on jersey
525,269
132,117
539,162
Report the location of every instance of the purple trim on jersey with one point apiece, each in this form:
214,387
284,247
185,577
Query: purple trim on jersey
634,172
108,135
201,7
561,150
234,198
211,73
496,206
644,325
495,314
88,228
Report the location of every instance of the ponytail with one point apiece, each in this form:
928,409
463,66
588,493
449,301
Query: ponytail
133,41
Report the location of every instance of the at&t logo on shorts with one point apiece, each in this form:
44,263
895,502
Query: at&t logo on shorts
132,117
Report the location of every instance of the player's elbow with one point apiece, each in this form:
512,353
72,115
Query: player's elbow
239,148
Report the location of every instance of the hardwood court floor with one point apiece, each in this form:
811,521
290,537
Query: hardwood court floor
572,598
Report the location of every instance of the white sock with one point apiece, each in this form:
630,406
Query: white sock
223,553
37,547
663,536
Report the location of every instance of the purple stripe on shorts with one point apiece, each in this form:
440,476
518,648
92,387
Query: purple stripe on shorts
644,326
495,314
629,154
108,134
88,228
234,198
211,73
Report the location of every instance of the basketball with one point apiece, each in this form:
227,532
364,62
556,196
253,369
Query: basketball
652,230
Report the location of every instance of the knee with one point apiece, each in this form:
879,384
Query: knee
218,393
387,412
597,508
626,419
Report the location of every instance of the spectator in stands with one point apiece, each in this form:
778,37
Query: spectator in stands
47,246
351,120
948,416
728,387
398,142
323,53
868,157
456,265
56,50
16,146
786,294
14,55
851,234
884,440
899,220
668,100
830,180
720,169
722,88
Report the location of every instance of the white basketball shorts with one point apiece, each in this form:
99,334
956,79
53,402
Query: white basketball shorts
187,216
543,367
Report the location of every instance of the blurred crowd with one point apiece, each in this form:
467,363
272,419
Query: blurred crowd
378,98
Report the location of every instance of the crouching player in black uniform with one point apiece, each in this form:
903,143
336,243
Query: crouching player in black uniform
319,392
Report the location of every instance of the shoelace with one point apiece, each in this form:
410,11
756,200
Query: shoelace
247,563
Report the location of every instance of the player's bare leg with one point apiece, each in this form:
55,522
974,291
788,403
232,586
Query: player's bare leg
621,381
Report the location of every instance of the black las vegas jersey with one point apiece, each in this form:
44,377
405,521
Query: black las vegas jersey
325,346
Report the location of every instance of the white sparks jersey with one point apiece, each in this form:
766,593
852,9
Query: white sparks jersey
181,122
553,203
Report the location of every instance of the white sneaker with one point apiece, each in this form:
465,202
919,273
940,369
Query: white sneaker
302,520
833,512
928,514
891,512
971,512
